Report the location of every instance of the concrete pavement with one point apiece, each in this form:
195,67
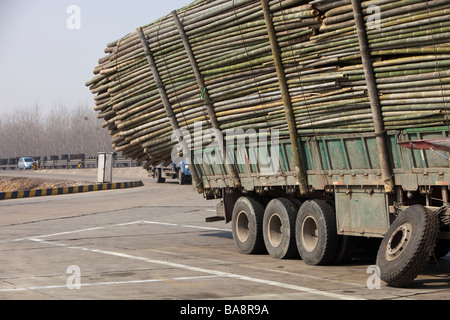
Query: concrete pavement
152,243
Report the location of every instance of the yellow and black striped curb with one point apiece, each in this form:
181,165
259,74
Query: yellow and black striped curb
69,190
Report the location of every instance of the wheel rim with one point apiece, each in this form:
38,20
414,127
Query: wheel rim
275,230
242,226
398,241
310,233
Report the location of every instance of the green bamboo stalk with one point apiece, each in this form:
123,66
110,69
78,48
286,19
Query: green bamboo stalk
229,43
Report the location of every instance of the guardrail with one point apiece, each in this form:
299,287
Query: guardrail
78,161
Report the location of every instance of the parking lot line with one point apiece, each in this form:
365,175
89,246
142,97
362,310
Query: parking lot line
204,270
109,283
212,273
187,226
122,225
78,230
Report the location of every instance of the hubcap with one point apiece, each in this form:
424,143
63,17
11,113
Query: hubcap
275,230
398,241
310,233
242,226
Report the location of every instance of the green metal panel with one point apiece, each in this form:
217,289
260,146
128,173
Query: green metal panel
288,151
395,152
337,154
356,151
285,160
323,151
373,152
338,160
361,212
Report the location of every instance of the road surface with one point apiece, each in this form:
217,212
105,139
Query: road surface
152,243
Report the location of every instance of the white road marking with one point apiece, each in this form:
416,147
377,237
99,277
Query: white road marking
122,225
186,226
307,276
207,271
213,273
79,230
108,283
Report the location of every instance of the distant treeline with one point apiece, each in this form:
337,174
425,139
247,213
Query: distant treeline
30,132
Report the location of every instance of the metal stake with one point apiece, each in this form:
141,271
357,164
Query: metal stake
380,134
290,118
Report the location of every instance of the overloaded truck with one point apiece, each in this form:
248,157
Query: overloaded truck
313,124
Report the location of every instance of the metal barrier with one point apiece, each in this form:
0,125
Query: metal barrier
73,161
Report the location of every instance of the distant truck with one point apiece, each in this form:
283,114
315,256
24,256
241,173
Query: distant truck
179,172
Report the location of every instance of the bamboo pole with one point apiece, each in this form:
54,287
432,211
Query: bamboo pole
322,65
231,170
385,163
195,177
290,118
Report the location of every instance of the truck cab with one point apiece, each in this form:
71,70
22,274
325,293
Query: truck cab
178,171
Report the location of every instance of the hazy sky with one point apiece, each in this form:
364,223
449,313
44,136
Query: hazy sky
44,62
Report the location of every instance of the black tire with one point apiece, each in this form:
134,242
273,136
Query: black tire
315,232
346,249
247,222
407,246
296,202
279,228
158,176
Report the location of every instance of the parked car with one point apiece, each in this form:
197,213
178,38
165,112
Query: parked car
25,163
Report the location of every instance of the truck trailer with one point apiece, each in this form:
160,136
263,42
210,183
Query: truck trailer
312,123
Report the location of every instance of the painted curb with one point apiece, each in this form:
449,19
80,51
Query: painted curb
69,190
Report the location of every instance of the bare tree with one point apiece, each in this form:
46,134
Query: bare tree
62,131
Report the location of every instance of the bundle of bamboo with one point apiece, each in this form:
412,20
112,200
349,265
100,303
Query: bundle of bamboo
213,63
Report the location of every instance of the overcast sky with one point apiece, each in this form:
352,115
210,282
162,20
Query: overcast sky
44,62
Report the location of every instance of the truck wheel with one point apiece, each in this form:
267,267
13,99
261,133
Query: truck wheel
279,228
316,234
247,225
297,203
158,176
407,245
